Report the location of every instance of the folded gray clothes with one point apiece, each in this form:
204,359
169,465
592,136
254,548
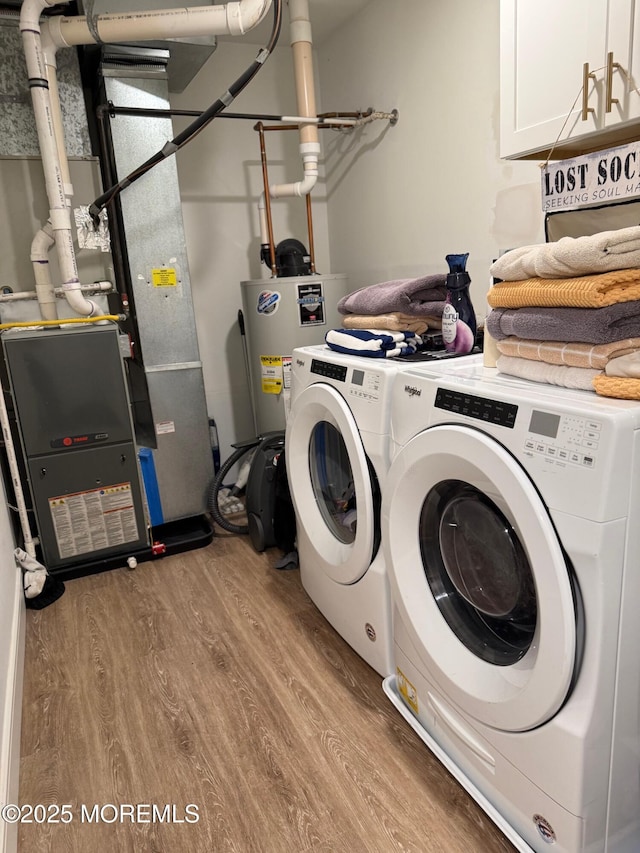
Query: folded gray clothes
586,325
415,296
571,256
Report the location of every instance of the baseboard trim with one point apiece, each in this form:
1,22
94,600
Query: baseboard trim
10,734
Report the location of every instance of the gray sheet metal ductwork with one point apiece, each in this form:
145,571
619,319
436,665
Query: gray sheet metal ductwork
161,289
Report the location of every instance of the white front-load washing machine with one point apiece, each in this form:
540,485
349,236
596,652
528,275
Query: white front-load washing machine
511,526
337,455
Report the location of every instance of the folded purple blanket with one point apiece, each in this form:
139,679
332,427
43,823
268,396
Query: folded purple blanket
416,296
586,325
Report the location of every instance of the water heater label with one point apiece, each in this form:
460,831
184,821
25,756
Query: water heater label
272,373
268,302
310,304
90,521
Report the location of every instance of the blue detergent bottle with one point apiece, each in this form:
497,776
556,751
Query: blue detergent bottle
458,336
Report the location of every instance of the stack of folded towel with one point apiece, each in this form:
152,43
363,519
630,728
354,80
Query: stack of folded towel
568,313
400,305
374,343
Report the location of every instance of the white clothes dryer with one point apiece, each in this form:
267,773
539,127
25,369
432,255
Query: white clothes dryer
337,454
511,527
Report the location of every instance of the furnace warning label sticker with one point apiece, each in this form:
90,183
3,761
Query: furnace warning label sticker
98,518
272,376
164,277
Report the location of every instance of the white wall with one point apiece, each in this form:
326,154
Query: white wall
12,635
401,198
220,176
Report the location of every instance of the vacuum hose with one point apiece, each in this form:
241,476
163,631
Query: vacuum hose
217,484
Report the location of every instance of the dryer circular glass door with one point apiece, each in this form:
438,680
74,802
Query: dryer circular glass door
334,492
479,577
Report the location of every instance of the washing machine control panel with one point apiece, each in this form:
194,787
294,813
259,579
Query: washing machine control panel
331,371
481,408
362,384
565,438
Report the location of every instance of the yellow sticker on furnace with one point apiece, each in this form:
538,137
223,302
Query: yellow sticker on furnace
272,379
407,691
164,277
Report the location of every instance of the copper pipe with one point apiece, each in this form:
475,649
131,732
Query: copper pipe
261,128
267,199
312,252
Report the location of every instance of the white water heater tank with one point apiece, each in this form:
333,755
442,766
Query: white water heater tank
281,314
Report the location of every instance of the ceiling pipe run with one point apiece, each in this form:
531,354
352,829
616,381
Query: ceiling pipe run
301,45
234,19
40,43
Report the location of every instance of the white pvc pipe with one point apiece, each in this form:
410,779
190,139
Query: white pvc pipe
59,203
234,19
49,55
301,44
42,243
26,295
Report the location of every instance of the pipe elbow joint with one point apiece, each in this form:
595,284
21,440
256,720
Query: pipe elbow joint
78,303
42,243
245,15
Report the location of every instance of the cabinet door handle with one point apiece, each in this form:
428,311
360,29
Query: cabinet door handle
586,76
610,66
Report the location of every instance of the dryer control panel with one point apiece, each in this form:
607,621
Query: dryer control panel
363,384
567,438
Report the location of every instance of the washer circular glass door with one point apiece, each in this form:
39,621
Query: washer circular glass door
478,572
330,483
479,577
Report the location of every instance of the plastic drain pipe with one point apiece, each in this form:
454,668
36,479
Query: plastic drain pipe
301,45
60,211
234,18
42,243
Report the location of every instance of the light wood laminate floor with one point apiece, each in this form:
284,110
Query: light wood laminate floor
209,678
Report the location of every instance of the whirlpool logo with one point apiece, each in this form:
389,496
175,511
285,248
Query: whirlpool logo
412,391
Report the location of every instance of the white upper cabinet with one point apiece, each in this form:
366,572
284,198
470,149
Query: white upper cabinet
566,76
